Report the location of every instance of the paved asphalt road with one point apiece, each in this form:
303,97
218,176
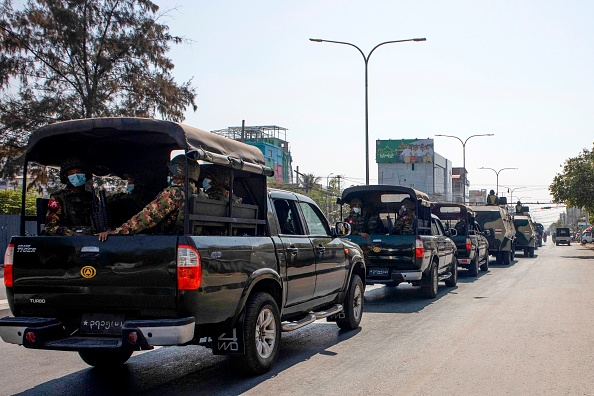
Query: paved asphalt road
522,329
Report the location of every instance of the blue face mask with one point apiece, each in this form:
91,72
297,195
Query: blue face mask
77,179
206,184
129,188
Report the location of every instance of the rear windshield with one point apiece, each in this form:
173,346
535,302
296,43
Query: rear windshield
521,223
563,231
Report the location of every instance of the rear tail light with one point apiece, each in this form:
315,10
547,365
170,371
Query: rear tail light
8,260
468,244
189,268
419,249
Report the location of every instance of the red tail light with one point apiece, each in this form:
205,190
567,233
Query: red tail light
8,260
189,268
419,249
468,244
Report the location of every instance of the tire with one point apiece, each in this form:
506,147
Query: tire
262,334
102,358
474,267
506,257
353,305
525,252
531,252
498,258
429,285
452,281
513,253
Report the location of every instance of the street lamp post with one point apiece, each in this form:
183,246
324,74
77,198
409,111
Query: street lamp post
464,159
511,197
497,173
328,195
366,60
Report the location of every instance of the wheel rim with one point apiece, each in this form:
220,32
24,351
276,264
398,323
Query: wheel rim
265,333
357,302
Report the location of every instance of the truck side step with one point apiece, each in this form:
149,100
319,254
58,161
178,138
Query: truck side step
332,311
447,275
290,326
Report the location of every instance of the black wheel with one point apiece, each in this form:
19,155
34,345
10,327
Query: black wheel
531,252
452,281
262,333
474,267
353,305
105,358
506,257
498,257
485,265
429,286
525,252
513,253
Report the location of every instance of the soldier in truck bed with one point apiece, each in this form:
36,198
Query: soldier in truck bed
165,212
69,210
406,217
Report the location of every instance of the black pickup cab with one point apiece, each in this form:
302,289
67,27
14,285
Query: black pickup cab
470,240
421,256
231,280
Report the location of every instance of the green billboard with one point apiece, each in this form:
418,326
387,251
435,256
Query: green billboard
413,151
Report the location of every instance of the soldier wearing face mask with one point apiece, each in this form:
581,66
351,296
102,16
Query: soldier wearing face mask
357,219
69,210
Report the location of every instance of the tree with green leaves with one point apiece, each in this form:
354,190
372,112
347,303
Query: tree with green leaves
69,59
575,184
10,202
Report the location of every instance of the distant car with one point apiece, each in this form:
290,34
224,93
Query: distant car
563,236
587,237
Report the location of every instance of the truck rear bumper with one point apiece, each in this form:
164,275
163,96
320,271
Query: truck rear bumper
49,333
399,277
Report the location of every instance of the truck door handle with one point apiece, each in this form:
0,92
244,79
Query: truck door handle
292,251
320,249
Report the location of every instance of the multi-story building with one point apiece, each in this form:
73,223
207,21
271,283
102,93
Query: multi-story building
272,141
414,163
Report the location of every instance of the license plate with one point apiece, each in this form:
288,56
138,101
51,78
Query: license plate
101,323
379,272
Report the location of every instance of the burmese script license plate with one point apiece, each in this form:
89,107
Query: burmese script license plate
101,323
379,272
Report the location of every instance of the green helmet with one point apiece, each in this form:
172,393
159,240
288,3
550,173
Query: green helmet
177,167
73,163
355,201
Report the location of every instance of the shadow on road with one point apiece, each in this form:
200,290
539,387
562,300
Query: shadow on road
192,370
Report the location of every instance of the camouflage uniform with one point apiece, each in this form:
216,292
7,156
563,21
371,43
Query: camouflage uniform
404,224
358,223
165,213
69,213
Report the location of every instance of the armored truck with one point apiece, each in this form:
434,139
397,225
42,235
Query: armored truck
502,234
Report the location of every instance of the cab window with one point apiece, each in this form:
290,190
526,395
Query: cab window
316,222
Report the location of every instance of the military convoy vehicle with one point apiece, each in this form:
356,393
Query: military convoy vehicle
502,234
422,255
470,240
232,280
526,236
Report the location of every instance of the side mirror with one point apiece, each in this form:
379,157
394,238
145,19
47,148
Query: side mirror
487,232
452,232
342,229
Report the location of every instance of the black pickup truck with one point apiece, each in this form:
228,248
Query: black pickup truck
231,281
470,240
421,256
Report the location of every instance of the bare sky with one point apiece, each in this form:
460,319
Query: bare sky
522,70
